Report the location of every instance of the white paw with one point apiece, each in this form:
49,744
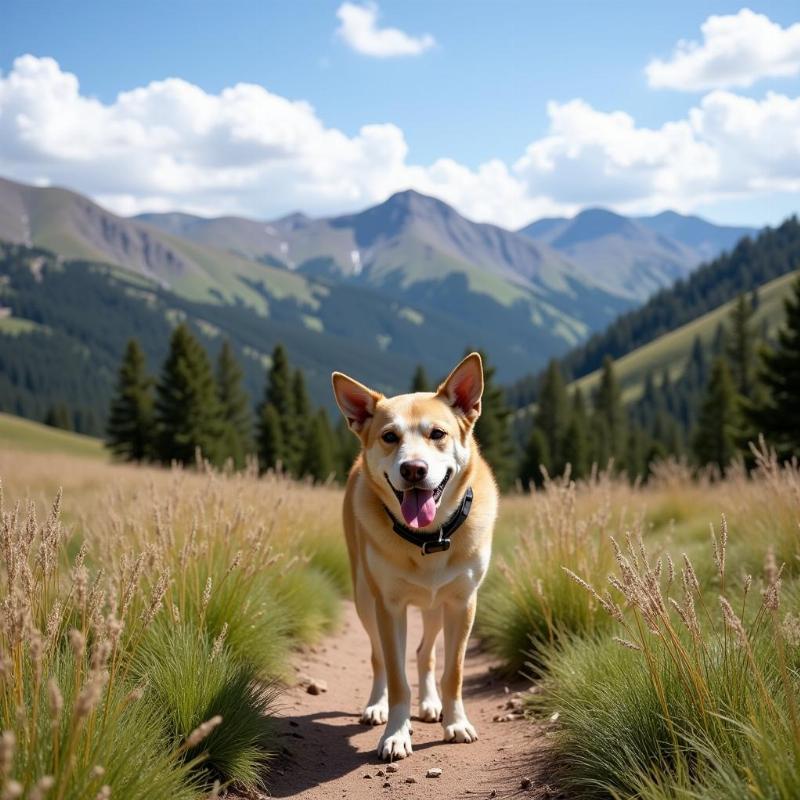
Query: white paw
395,746
430,709
376,714
460,732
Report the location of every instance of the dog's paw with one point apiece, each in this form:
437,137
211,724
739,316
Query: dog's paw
461,731
430,709
376,714
397,745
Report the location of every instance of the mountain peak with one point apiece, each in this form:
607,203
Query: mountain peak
593,223
414,202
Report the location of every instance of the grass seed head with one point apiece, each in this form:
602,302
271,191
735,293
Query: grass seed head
42,787
733,621
8,746
202,731
55,700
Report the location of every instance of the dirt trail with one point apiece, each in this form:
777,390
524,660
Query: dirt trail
327,753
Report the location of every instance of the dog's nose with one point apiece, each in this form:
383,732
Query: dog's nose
414,471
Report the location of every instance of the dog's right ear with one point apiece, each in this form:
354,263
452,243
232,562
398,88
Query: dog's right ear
356,401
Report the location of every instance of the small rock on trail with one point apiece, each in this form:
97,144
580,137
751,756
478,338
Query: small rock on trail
433,772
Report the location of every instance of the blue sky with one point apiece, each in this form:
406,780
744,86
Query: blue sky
479,95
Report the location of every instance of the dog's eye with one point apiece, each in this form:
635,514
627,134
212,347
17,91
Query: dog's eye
390,437
438,433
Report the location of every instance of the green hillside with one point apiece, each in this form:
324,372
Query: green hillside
22,434
671,351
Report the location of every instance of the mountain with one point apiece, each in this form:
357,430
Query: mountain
73,226
752,264
409,245
635,256
705,238
408,279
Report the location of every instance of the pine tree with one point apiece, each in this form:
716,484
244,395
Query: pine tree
318,459
187,409
493,429
237,419
535,457
576,441
279,395
302,424
270,438
714,440
778,415
609,418
741,347
636,460
420,382
552,416
130,431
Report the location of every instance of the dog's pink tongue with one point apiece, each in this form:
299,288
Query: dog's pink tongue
418,507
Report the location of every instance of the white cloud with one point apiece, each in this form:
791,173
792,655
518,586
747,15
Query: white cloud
737,50
590,157
171,145
359,29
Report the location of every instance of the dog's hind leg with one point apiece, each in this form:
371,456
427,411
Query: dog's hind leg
376,712
430,706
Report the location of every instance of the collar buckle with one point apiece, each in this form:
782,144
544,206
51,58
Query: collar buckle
439,545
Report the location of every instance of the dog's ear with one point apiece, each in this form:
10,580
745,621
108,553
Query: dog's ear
356,401
464,387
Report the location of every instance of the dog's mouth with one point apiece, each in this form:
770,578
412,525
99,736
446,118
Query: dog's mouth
419,505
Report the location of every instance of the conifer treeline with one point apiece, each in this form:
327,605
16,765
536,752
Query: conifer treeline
193,406
710,413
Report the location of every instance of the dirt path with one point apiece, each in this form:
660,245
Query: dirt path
328,754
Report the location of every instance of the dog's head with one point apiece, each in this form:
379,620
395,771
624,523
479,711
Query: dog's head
415,445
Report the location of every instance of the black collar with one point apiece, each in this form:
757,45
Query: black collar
435,542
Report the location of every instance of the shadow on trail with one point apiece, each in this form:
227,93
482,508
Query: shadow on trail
315,752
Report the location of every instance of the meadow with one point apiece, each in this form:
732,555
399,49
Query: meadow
149,616
662,627
147,620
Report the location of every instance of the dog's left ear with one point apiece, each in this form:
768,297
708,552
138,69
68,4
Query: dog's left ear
464,387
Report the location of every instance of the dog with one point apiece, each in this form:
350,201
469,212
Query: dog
419,513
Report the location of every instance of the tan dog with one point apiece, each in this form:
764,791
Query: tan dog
407,494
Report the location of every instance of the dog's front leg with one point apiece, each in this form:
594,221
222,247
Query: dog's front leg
396,740
459,615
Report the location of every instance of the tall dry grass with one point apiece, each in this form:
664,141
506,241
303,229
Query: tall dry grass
142,633
693,689
528,603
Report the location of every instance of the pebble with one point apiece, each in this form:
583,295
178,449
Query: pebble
317,686
525,783
392,768
433,772
493,793
367,775
380,773
411,780
386,785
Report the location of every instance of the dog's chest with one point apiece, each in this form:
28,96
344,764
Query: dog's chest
429,580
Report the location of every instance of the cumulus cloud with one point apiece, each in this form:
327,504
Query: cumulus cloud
737,50
171,145
358,27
